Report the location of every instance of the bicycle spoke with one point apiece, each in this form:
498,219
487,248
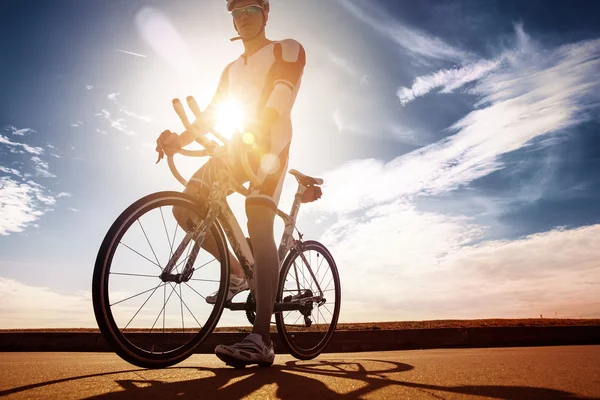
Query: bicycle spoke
319,267
162,309
174,236
329,283
297,319
166,231
148,240
181,298
205,280
205,264
168,238
327,309
194,290
135,295
164,313
322,313
141,255
127,274
190,311
136,313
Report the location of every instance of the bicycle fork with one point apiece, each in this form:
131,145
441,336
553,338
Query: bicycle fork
197,234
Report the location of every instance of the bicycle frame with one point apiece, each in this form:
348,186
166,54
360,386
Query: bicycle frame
218,209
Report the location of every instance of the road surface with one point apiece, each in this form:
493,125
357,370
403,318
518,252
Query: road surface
567,372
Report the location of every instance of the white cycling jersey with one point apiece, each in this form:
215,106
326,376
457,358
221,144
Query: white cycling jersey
269,78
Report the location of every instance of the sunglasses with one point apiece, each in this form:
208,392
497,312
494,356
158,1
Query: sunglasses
248,10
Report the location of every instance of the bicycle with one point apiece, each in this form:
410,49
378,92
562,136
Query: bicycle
304,287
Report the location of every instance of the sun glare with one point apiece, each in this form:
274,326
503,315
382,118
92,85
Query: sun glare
230,118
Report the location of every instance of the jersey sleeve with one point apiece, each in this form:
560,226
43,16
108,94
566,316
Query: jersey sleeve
290,60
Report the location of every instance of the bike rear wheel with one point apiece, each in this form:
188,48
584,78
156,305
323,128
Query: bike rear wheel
307,332
149,322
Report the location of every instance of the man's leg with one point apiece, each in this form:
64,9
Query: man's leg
199,190
266,267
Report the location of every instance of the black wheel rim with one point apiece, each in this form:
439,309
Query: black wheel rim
152,319
308,341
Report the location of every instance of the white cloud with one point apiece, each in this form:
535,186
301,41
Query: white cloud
89,87
344,124
21,204
64,194
343,64
448,79
73,209
397,263
131,53
19,132
15,145
134,115
26,306
41,168
113,96
118,124
10,171
535,96
407,264
76,124
417,42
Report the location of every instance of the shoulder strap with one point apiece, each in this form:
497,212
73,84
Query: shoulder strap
278,51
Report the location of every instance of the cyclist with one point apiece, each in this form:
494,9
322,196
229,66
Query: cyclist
265,79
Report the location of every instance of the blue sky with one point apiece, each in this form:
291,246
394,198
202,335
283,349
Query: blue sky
458,142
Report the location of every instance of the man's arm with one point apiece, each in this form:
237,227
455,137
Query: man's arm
290,60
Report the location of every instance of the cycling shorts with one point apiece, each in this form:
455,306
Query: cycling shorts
269,169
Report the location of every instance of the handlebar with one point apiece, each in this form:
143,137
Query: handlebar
211,148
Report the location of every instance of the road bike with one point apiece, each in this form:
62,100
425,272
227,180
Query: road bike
151,277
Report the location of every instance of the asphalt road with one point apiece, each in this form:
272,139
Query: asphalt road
569,372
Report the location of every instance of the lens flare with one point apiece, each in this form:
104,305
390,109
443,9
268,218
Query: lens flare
230,118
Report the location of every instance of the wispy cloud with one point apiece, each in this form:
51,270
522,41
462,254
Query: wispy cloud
118,124
137,116
14,145
27,306
400,252
131,53
76,124
89,87
448,80
535,95
21,204
433,275
42,168
10,171
19,132
418,43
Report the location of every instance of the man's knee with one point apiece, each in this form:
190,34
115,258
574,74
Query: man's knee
188,218
260,221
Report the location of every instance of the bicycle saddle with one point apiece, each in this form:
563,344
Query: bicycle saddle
306,180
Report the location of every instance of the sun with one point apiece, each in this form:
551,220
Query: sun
229,118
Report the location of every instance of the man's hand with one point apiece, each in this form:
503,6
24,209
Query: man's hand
168,142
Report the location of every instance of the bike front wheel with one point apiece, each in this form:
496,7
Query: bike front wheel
150,321
309,280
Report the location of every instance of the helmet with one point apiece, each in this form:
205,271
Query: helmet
263,3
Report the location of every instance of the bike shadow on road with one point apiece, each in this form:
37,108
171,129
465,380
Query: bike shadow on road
326,379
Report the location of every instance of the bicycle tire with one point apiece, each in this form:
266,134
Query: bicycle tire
123,345
303,349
